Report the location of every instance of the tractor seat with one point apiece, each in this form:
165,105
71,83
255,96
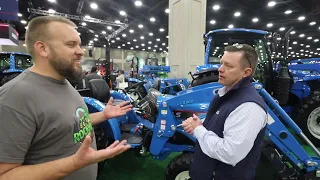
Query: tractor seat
99,90
157,84
127,127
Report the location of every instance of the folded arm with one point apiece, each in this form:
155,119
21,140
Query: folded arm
240,131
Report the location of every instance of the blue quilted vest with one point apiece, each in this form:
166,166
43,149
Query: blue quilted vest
203,167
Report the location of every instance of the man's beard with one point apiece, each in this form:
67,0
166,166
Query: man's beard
65,68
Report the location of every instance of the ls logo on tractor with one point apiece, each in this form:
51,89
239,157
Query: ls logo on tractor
203,106
185,102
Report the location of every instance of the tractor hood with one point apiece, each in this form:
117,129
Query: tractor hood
207,66
305,69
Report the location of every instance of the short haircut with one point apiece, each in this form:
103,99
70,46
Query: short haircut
121,71
94,69
38,30
250,56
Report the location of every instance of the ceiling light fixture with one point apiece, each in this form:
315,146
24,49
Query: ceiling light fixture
212,22
138,3
269,25
161,29
301,18
19,14
272,3
140,26
237,14
167,11
216,7
255,20
292,32
152,19
312,23
282,29
51,11
93,5
109,27
131,31
150,34
288,11
122,13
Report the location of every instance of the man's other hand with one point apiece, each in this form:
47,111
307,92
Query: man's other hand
191,123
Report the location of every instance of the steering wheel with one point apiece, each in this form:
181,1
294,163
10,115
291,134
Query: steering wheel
135,89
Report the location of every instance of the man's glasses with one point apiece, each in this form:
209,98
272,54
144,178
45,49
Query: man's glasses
240,46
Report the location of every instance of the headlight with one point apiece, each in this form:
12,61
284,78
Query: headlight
182,87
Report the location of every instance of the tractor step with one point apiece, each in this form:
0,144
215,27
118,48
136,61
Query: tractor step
131,138
127,127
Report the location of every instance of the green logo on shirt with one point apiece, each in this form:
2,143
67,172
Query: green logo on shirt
83,125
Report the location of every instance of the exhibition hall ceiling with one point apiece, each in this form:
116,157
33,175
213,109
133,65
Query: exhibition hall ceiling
148,20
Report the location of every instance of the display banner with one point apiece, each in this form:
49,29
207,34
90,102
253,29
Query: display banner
8,35
9,10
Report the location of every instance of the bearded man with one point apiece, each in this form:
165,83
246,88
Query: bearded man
45,126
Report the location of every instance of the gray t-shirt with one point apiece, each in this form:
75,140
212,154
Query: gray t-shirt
43,119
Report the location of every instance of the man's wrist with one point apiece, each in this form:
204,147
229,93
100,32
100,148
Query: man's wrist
199,131
104,116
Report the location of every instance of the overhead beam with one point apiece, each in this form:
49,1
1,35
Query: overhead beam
74,17
80,6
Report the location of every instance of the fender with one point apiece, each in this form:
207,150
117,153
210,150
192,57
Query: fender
110,126
119,95
301,89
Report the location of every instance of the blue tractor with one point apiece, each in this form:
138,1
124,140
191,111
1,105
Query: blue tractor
295,84
12,64
149,75
152,127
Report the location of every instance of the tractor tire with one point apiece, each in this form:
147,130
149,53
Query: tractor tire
8,78
308,118
178,168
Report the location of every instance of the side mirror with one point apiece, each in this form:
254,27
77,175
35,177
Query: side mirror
205,39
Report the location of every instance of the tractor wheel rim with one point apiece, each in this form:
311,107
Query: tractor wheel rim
184,175
312,123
